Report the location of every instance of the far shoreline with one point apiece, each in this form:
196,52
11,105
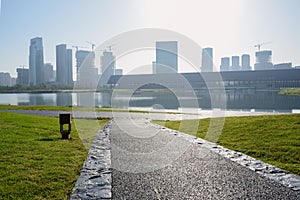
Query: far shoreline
52,91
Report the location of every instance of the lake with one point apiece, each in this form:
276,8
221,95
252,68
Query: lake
235,100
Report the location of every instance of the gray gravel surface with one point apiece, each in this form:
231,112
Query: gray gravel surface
195,177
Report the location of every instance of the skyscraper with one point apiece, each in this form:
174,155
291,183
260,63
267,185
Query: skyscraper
108,66
80,58
49,73
118,71
235,63
64,73
225,64
246,62
36,61
166,57
263,60
87,73
207,60
22,76
5,79
154,67
70,66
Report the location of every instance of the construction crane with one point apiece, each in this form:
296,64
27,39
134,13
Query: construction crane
259,45
109,46
93,45
76,47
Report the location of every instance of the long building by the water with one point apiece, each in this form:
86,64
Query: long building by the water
261,79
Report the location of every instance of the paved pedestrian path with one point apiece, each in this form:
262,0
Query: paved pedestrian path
171,166
151,162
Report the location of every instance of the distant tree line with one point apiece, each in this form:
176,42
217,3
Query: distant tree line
34,88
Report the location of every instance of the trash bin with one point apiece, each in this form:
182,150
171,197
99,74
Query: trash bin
65,119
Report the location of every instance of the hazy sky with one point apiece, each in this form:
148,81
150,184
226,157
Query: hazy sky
231,27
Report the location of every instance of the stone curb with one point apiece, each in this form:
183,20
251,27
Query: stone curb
272,172
95,179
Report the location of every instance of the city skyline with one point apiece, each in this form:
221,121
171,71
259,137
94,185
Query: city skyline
87,73
231,28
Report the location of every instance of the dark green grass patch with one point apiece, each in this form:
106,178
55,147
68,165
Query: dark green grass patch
273,139
34,162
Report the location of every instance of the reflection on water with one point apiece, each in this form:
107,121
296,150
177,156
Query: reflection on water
247,100
64,99
261,100
162,100
104,99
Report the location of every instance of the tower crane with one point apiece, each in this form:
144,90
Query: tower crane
93,45
110,46
76,47
261,44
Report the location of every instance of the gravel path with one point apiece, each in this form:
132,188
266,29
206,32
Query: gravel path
143,168
191,177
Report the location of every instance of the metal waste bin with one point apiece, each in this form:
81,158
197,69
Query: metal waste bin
65,118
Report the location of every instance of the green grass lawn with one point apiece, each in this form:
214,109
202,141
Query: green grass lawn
34,162
272,139
290,91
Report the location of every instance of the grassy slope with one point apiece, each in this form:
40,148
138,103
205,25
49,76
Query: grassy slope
272,139
35,163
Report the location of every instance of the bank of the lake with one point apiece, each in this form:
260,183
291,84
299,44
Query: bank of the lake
45,91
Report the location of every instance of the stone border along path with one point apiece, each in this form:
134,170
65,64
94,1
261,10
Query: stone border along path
95,180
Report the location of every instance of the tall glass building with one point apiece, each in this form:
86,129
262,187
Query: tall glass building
225,64
64,72
235,63
207,60
87,73
108,66
246,62
36,61
166,57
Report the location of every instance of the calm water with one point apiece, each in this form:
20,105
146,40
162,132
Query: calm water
258,100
